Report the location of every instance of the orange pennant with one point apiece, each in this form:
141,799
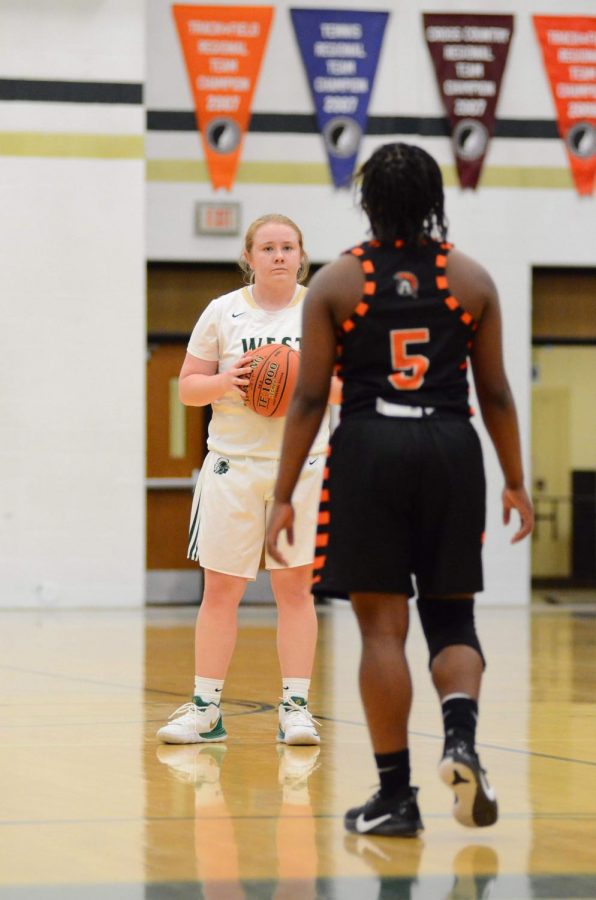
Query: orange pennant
223,48
569,50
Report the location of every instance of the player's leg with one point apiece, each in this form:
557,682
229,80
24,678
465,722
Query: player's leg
296,642
457,665
449,572
227,529
215,639
297,620
386,691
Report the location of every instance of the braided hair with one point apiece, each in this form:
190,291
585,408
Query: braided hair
401,192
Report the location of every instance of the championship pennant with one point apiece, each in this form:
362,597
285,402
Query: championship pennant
569,51
469,53
223,48
340,51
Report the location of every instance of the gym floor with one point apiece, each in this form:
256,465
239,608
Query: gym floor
93,807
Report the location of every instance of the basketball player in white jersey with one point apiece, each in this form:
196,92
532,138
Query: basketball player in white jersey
234,492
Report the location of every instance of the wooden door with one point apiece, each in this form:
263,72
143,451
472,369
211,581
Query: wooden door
175,451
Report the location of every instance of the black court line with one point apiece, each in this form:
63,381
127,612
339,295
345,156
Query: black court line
267,707
294,123
262,707
268,817
129,93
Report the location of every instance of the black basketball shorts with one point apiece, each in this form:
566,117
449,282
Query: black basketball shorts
402,498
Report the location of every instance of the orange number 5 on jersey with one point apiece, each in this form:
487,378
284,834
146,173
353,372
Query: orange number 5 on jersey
410,368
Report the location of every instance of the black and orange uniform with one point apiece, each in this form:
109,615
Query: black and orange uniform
404,492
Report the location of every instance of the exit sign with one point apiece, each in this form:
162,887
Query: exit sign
217,218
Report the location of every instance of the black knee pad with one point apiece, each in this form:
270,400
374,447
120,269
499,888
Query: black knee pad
447,621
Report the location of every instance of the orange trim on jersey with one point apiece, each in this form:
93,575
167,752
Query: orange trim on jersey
367,266
451,302
348,325
316,579
441,261
322,540
464,365
357,251
326,472
442,282
324,495
466,318
362,308
369,288
374,243
323,518
399,244
319,562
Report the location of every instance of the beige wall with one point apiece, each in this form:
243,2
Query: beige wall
573,368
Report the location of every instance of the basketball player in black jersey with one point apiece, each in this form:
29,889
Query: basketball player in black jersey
400,317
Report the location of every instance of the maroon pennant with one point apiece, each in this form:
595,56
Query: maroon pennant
469,53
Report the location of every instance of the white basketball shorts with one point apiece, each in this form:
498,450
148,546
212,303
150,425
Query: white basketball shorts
231,506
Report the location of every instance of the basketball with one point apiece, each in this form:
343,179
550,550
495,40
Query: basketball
272,380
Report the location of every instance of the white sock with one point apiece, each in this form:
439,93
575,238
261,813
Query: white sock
208,689
295,687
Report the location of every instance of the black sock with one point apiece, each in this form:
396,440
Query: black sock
460,713
394,771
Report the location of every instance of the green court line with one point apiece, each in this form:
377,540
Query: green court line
82,146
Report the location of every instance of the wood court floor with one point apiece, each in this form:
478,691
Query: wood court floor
93,808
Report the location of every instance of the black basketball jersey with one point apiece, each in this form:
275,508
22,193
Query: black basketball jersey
408,340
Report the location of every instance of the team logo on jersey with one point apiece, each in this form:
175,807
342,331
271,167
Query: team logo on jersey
406,284
222,465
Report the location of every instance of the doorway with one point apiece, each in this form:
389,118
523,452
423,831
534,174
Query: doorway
563,421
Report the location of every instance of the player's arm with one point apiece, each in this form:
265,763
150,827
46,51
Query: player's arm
335,391
498,407
331,285
200,383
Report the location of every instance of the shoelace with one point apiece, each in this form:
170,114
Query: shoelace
303,710
186,709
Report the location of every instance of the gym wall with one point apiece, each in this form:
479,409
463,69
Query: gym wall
94,186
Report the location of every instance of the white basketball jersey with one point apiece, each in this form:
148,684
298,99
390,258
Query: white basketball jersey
230,326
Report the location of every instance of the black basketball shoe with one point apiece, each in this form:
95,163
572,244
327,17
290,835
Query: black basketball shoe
396,817
475,802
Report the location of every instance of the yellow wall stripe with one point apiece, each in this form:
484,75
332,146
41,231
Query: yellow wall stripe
192,171
127,146
84,146
248,172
